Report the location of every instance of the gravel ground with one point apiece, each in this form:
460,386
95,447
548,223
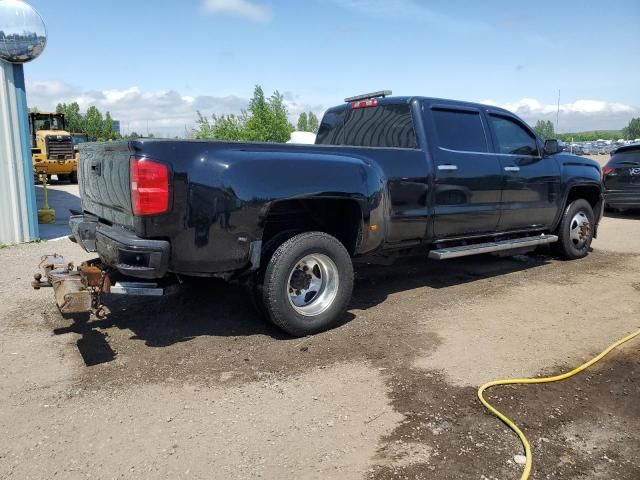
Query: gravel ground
196,385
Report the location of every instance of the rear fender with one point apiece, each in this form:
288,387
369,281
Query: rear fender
264,183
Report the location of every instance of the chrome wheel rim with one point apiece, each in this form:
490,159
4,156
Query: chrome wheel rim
579,229
313,284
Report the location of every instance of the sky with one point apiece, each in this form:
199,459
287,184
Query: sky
154,64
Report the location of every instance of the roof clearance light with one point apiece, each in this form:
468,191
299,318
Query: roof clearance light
365,103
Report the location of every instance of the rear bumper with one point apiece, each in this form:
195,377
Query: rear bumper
121,249
622,198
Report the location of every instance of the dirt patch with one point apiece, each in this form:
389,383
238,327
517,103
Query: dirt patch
584,427
514,331
108,397
314,426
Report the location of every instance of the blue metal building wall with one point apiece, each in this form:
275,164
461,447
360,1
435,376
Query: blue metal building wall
18,210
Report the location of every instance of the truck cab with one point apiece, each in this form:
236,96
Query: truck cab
458,172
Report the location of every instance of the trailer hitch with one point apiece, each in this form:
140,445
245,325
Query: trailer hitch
80,290
76,290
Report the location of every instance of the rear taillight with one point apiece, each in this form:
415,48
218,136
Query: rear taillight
149,186
606,170
364,103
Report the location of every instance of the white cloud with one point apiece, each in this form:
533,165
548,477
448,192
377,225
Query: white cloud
243,8
169,113
575,116
163,112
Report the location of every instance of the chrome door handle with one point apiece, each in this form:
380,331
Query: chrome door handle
511,169
447,167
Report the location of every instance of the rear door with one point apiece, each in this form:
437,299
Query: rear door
468,178
531,191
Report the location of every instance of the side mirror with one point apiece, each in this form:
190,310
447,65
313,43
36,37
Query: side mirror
551,146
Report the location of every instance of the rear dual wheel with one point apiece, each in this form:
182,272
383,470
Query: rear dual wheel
307,283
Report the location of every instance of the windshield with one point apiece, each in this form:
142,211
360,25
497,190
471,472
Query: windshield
48,122
79,139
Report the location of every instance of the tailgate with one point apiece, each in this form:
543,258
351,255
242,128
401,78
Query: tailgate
103,175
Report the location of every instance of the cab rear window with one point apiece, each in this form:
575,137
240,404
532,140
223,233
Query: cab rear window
379,126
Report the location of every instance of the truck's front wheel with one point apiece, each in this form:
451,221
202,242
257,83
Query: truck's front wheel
576,230
308,283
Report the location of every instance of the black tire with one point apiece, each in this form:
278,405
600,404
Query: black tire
73,177
569,247
255,281
324,309
63,177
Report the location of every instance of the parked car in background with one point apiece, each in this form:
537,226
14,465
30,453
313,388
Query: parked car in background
576,149
621,178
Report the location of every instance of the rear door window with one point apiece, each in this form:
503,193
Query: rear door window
512,138
380,126
460,130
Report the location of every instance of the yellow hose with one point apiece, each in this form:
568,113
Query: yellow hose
557,378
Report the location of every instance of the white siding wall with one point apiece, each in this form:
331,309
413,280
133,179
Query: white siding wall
18,213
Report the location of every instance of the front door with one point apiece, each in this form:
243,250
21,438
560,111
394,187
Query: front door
531,189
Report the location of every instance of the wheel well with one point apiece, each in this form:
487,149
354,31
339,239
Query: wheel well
338,217
590,193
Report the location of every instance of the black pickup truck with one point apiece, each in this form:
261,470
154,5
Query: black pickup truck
388,176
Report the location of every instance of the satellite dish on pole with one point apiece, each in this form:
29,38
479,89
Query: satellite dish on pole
23,34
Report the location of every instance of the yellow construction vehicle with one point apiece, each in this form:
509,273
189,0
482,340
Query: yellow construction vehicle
52,147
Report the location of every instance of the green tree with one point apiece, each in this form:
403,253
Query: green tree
223,127
72,116
107,127
632,131
94,124
265,120
314,123
545,129
308,122
303,124
280,128
260,117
